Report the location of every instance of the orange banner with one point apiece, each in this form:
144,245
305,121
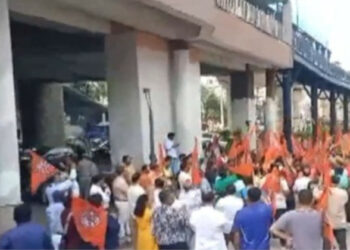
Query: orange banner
91,222
196,172
161,158
41,170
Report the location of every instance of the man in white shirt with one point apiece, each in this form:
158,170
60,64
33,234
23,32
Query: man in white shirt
60,183
336,211
230,205
100,187
120,193
159,185
190,197
184,175
209,225
134,192
303,181
53,213
172,151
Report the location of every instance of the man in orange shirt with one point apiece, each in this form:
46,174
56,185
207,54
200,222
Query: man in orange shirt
145,178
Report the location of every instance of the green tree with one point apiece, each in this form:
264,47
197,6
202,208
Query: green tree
97,91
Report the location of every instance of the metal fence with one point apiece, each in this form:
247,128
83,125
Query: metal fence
317,55
253,15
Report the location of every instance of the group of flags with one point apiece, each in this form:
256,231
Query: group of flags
91,221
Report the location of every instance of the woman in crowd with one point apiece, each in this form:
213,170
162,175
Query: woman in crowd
143,217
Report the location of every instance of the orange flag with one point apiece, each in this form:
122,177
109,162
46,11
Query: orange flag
161,159
321,205
91,221
196,172
41,170
244,169
272,182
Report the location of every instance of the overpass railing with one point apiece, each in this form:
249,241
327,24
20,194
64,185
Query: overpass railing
266,22
316,54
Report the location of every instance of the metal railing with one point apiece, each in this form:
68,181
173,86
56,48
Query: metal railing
267,23
317,55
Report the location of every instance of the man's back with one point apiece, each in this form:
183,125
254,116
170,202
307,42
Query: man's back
336,207
230,205
304,226
253,223
209,232
26,236
301,183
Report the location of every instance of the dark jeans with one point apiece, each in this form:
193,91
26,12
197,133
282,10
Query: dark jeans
279,213
177,246
340,236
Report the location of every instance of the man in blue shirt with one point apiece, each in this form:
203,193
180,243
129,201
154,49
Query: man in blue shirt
252,223
27,235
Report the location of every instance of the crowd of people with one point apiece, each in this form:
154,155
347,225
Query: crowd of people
159,206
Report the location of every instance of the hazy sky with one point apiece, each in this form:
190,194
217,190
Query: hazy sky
327,20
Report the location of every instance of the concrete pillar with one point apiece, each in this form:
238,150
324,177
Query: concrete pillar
287,107
186,99
314,110
346,113
42,113
287,22
137,61
298,108
333,112
271,105
243,102
50,110
9,164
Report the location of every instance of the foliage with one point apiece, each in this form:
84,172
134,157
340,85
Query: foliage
97,91
210,104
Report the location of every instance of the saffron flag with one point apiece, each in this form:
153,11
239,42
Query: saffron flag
161,158
41,170
196,172
91,222
244,169
272,186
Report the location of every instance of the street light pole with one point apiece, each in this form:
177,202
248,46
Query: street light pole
152,156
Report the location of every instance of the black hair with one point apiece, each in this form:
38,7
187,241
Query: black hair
95,199
22,213
144,167
254,194
335,179
208,197
222,172
141,205
135,177
167,158
125,158
164,195
305,197
230,189
159,183
95,179
171,135
338,170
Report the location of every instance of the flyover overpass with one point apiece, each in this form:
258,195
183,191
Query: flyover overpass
312,67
